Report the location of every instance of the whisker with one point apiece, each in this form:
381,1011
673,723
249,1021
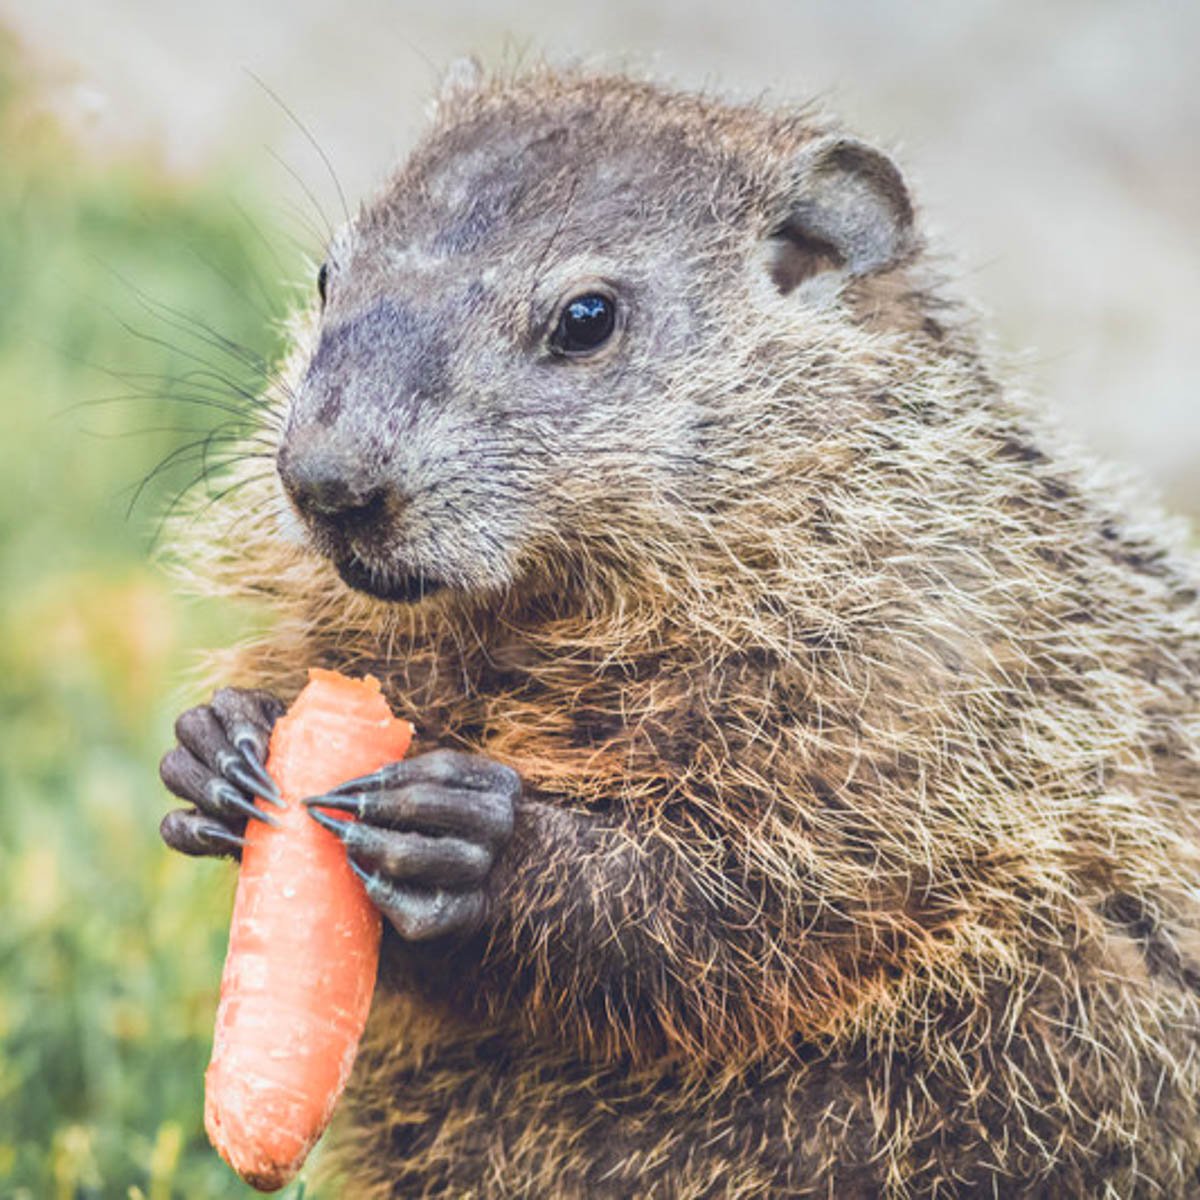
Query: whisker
247,439
186,322
312,141
256,229
180,495
233,487
151,339
202,401
223,384
328,236
301,231
262,313
196,450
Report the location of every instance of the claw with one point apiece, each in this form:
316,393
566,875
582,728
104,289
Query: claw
373,884
218,835
336,827
252,776
349,804
269,788
232,797
361,784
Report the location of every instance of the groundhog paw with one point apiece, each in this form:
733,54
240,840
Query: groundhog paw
218,768
428,832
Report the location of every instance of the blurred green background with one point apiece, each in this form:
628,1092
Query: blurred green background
110,948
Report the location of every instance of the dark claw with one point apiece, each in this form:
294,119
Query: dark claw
250,741
362,783
420,916
342,803
232,798
251,776
269,788
374,885
440,794
440,768
218,835
482,817
414,860
379,892
336,827
249,746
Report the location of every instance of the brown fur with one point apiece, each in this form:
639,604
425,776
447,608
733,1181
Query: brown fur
888,702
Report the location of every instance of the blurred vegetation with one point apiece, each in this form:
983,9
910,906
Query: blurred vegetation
110,947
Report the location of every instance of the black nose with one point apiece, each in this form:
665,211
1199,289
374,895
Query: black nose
327,488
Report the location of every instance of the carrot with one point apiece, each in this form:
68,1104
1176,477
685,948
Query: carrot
303,944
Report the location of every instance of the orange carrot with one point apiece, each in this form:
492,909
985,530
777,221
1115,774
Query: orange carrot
303,945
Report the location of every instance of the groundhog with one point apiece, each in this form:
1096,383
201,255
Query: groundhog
805,799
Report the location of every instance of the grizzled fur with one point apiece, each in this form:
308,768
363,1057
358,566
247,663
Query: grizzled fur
858,720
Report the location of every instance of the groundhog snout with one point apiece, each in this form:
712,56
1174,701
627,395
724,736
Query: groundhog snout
331,491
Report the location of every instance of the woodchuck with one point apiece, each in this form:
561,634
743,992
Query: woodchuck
806,802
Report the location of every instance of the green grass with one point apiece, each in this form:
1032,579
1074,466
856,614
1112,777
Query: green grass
110,947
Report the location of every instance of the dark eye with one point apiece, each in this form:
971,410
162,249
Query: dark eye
586,323
323,283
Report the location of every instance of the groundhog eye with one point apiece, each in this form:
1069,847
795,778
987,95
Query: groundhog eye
323,283
585,324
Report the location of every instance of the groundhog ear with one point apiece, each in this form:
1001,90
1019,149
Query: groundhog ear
849,213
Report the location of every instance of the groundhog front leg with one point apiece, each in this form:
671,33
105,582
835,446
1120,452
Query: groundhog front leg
591,929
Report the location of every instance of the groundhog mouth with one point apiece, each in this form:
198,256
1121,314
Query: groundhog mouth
383,585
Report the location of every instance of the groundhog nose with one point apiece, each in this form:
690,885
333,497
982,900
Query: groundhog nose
322,486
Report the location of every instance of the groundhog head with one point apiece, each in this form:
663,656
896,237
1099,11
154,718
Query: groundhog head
534,324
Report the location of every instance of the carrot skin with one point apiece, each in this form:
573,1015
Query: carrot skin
303,942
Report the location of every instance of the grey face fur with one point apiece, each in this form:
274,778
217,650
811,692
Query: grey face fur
437,438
